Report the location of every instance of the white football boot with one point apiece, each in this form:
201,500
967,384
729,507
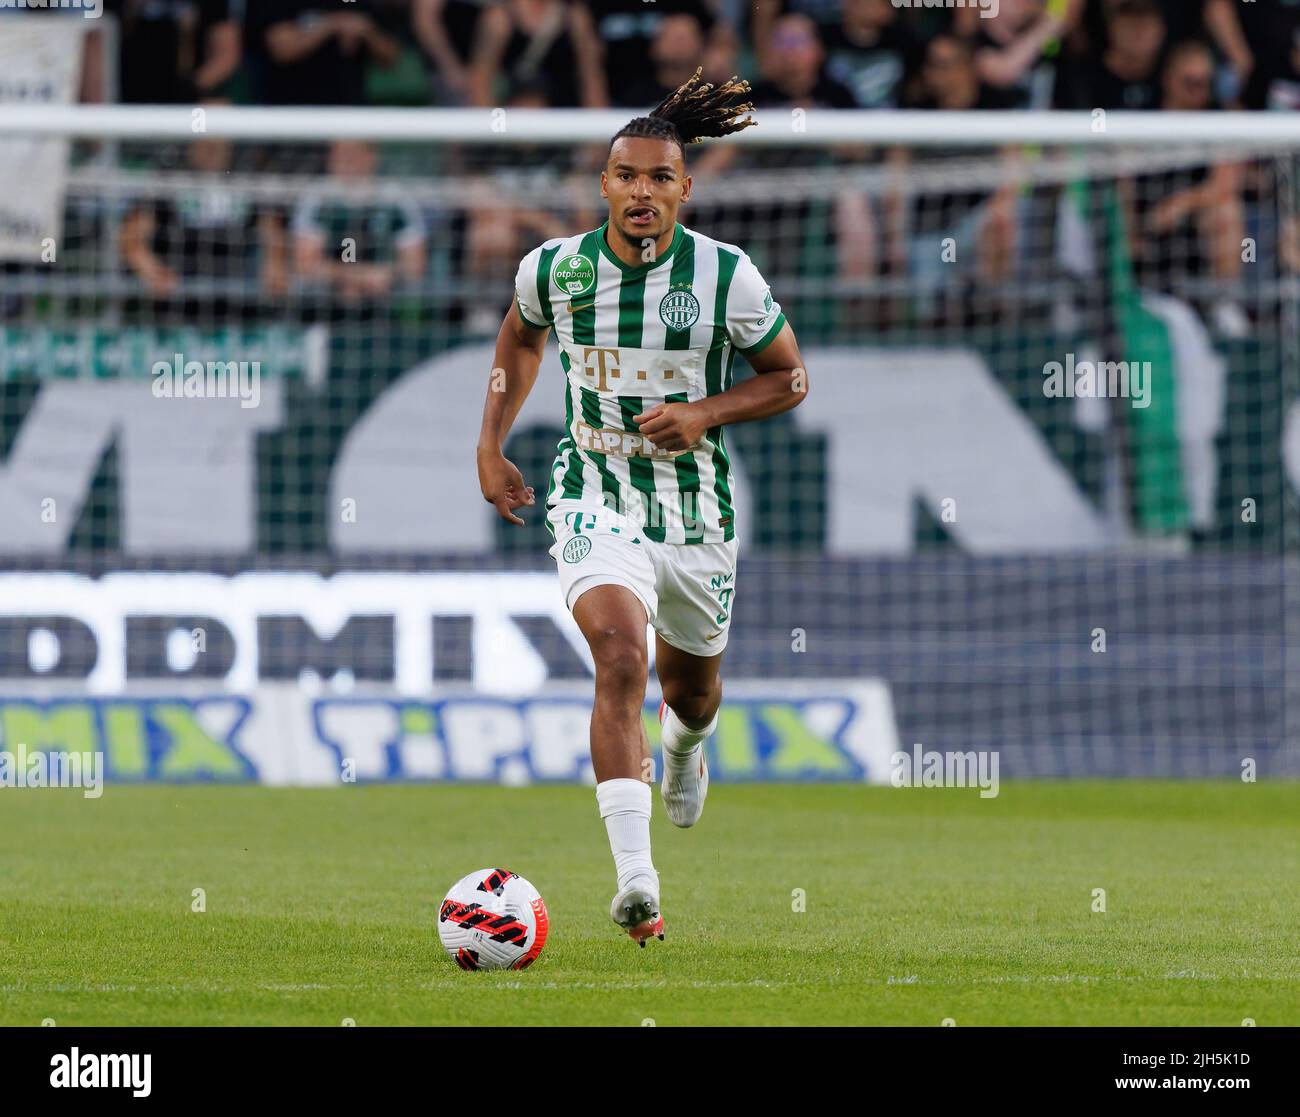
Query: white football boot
636,910
684,787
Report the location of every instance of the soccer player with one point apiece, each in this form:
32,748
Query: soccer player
649,316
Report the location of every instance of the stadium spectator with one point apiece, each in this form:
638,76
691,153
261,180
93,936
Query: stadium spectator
446,31
627,32
1190,220
764,14
871,51
357,251
1272,37
1126,73
1187,78
1289,244
676,53
526,182
1012,49
1225,29
1216,20
796,77
549,44
1183,19
980,222
1241,33
207,234
305,52
950,78
799,83
174,51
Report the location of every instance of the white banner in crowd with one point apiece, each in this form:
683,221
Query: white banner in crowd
40,64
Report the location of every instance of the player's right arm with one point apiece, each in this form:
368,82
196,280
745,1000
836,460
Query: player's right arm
514,371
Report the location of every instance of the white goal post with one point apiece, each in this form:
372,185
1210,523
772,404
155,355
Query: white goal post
815,128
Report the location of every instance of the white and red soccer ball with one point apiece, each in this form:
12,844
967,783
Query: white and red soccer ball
493,920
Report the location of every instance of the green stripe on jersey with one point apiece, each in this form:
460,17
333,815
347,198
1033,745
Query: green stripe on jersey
631,311
584,319
729,379
641,471
572,483
714,379
544,282
590,403
687,469
682,278
631,325
724,490
584,333
688,487
713,366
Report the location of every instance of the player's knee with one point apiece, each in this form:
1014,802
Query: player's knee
690,703
621,661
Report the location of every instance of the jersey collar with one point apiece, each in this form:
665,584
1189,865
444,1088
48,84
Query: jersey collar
640,269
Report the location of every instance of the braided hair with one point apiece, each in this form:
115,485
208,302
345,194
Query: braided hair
694,111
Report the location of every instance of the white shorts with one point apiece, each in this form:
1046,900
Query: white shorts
687,588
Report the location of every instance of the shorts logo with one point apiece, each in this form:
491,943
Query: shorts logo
575,275
577,549
719,584
679,310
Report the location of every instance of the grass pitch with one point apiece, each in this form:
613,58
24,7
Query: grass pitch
921,905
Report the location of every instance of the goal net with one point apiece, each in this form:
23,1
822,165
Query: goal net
1042,489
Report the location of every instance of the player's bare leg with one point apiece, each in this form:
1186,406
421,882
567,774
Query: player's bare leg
692,689
613,621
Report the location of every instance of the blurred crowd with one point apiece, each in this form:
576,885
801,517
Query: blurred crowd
595,53
1157,55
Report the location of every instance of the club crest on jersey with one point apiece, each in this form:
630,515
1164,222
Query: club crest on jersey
577,549
575,275
679,310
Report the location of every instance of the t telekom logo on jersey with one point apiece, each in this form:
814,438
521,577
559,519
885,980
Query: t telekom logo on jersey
634,372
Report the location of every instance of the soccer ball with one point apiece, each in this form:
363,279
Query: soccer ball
493,920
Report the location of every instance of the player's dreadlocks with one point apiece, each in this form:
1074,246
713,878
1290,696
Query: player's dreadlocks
694,111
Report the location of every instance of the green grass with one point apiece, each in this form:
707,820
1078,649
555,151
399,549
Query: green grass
921,905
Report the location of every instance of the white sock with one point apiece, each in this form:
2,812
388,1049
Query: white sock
680,741
625,807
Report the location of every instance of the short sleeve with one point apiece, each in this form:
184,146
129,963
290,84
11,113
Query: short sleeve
754,318
527,296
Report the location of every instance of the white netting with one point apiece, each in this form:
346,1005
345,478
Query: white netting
1053,395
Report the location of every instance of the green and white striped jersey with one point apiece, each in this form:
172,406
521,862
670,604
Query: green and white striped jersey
632,337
